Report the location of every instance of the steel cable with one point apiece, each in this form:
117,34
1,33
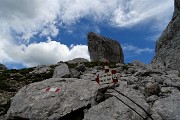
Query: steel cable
126,105
133,102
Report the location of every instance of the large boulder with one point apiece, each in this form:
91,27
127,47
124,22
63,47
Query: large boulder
104,48
61,71
34,102
168,45
152,89
168,108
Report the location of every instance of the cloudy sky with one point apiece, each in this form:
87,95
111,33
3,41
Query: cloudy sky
34,32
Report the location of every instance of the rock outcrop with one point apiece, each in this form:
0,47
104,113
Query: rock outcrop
3,67
168,45
104,48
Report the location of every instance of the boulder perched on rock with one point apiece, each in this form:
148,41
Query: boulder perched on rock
61,71
100,47
168,45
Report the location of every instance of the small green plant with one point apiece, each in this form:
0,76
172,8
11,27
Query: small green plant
3,85
125,67
71,65
26,70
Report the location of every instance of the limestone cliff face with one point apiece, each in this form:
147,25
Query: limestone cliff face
104,48
168,45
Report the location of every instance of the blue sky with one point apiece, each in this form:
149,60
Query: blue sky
40,32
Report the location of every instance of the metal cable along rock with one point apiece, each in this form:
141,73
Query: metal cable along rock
130,106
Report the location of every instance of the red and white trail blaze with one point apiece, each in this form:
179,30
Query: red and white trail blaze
49,89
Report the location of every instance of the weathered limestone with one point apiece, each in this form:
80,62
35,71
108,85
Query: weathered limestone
168,45
104,48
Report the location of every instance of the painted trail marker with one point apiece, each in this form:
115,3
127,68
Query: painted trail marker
107,77
49,89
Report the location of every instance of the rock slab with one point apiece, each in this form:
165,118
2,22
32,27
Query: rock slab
34,102
104,48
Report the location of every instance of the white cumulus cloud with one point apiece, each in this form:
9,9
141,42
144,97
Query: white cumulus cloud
49,52
134,12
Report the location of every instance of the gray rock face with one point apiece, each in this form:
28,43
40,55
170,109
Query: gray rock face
168,45
104,48
60,71
35,103
168,108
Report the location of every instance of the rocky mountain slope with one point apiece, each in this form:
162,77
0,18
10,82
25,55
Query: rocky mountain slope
79,97
168,45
